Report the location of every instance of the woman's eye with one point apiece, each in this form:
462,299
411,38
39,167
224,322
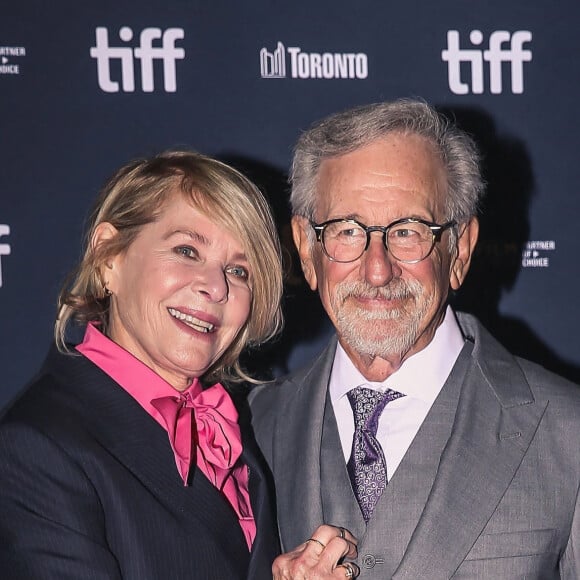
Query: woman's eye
186,251
238,272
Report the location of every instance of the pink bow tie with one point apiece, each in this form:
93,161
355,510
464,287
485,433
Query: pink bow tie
217,436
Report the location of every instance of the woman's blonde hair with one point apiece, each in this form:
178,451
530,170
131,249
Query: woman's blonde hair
134,197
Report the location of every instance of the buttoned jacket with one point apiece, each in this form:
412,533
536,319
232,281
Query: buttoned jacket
487,490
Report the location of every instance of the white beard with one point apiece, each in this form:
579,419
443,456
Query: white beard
381,333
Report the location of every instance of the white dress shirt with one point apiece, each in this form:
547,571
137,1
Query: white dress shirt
420,378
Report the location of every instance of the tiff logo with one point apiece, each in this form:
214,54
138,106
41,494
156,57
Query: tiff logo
497,54
146,53
4,248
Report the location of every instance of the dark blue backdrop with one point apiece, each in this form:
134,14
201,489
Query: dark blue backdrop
84,87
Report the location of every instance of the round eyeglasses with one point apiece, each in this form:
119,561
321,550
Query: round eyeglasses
409,240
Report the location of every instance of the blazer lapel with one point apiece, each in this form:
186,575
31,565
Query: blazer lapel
148,455
495,423
266,546
299,426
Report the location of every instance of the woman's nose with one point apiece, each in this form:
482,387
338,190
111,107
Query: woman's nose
212,282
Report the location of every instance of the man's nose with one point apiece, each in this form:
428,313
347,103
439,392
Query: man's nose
379,266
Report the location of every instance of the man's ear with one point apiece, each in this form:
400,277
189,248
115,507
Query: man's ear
468,234
302,243
105,232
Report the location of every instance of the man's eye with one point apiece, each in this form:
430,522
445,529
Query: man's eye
238,272
404,233
186,251
350,233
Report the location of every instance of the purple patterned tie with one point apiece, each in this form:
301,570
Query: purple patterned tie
366,466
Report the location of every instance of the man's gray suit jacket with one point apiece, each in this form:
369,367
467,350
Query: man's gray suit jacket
487,490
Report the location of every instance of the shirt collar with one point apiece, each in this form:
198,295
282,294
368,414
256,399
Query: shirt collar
141,382
421,376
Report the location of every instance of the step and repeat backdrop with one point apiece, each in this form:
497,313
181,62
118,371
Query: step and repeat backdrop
84,87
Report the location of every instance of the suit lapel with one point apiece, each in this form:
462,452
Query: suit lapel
339,504
494,425
299,426
403,501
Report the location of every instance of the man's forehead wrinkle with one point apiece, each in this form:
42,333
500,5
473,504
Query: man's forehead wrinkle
382,173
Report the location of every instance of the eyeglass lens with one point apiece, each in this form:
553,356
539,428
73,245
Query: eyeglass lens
346,241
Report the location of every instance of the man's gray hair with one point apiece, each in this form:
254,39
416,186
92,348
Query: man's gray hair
350,130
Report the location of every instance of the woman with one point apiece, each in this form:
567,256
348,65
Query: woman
123,458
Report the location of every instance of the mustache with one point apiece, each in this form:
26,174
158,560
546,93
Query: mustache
395,290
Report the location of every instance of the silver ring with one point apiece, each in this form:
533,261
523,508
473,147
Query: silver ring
342,532
317,541
348,570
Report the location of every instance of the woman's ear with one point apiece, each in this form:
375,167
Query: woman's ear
103,233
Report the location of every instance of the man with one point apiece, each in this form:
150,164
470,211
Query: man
415,429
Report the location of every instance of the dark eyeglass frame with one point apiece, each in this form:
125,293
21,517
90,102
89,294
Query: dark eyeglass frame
436,233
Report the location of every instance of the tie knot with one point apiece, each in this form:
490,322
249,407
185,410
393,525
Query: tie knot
185,400
368,404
